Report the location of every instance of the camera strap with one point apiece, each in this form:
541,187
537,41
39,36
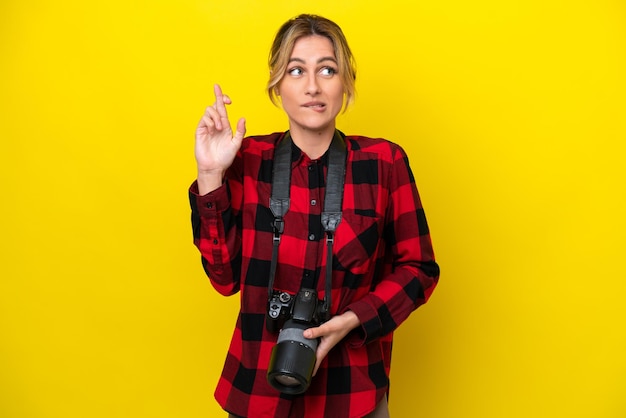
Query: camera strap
331,214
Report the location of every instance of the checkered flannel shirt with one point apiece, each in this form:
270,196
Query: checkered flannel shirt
383,269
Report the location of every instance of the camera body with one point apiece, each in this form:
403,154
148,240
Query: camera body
278,310
304,307
293,357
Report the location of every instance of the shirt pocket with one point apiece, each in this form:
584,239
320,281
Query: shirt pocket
357,241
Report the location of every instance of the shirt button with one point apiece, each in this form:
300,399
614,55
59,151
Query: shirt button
312,237
209,205
215,241
313,202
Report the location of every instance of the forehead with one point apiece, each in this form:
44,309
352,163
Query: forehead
313,46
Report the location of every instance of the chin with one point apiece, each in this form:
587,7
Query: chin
316,125
317,128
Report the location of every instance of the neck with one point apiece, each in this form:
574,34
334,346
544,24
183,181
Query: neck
312,143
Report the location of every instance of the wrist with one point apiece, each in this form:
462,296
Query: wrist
209,180
211,172
352,321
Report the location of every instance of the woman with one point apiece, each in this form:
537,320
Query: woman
381,260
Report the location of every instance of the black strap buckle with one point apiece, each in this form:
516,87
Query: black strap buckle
279,226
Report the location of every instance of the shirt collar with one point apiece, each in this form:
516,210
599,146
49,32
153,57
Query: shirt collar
298,157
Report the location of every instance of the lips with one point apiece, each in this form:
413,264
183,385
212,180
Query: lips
317,106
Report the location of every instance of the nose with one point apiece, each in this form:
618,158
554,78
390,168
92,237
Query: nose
312,86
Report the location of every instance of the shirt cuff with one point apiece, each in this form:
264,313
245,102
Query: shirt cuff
211,203
370,327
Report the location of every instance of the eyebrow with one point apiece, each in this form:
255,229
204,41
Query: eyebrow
319,61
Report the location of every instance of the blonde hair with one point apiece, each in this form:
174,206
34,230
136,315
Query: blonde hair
307,25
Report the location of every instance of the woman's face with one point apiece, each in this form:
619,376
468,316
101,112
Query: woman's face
311,89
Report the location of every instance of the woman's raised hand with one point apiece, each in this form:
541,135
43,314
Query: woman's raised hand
216,145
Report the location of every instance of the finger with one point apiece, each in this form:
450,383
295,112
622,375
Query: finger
206,123
226,99
212,113
318,362
241,131
320,355
219,102
313,333
317,366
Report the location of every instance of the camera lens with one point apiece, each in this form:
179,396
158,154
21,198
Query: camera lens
287,380
293,359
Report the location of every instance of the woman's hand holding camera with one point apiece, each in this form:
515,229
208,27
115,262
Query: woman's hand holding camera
216,145
330,333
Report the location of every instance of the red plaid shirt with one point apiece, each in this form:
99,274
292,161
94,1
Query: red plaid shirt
383,269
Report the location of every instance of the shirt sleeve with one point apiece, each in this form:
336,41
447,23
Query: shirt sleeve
410,273
217,236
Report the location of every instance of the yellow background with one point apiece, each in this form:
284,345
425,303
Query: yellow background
512,113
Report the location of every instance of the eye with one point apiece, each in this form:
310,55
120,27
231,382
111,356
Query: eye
296,71
328,71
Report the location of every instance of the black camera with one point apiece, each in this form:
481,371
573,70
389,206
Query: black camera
293,357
